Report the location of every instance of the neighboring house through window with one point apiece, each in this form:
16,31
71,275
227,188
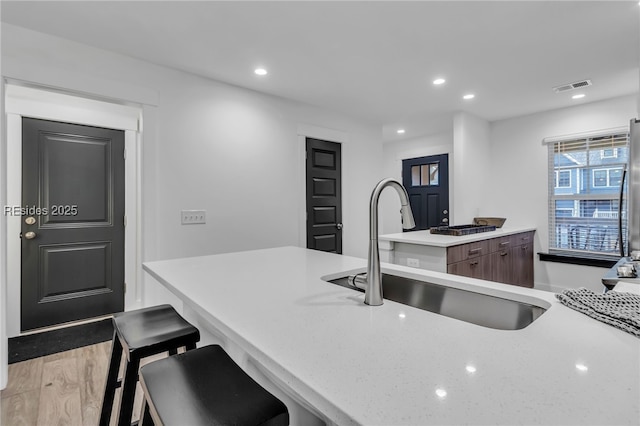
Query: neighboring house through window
585,173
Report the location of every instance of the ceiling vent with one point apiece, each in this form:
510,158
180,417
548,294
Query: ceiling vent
572,86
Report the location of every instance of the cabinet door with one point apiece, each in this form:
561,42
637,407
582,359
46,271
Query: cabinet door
521,239
523,265
479,267
502,266
502,243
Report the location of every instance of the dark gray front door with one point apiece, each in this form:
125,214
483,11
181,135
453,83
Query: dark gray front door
72,222
324,196
427,182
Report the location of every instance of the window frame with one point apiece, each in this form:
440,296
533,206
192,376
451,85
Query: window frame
613,155
557,178
608,172
580,150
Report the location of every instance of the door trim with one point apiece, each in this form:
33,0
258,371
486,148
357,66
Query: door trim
133,190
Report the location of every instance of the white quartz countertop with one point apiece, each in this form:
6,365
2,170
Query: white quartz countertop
426,238
398,365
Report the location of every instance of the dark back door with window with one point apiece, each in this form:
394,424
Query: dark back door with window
72,222
427,182
324,196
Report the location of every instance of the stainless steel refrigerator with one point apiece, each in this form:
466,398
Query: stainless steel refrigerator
633,193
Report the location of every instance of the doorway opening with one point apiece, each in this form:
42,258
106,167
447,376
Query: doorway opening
30,101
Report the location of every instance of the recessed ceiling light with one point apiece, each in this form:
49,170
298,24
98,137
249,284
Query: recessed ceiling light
438,81
469,96
260,71
581,367
400,131
579,96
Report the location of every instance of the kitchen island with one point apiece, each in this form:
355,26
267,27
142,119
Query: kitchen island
504,255
334,360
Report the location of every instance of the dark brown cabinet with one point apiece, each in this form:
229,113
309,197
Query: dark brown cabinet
507,259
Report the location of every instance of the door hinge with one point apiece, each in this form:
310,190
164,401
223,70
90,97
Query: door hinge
124,221
125,287
125,153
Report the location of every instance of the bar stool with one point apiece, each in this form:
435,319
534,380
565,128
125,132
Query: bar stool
206,387
141,333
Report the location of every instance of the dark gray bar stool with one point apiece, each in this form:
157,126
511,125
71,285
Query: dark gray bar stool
206,387
141,333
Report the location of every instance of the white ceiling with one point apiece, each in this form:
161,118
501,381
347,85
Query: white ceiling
373,60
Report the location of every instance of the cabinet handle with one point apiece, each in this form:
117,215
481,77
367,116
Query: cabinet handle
474,263
504,253
524,248
505,243
476,250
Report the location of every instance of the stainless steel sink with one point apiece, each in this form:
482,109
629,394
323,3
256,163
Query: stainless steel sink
476,308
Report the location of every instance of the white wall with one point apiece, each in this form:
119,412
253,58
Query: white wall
393,153
471,161
517,187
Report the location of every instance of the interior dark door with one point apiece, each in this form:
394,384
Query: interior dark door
72,222
324,196
427,182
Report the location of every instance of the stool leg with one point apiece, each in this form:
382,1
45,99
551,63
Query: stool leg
145,415
112,380
128,391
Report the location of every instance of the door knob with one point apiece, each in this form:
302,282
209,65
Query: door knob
30,235
445,211
445,220
30,220
339,225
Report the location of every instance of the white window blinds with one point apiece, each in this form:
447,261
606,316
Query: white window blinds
585,175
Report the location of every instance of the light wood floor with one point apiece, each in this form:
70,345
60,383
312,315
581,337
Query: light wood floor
60,389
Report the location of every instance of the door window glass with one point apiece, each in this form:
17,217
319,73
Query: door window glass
425,175
434,174
415,176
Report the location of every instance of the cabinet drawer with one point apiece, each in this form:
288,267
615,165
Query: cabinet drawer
467,251
521,239
501,244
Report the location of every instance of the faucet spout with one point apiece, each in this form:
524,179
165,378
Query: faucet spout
373,291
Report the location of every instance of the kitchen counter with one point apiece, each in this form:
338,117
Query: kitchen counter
425,238
422,249
349,363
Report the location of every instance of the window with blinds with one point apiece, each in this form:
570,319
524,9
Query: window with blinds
585,174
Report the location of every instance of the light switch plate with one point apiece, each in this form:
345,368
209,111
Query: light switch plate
193,217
